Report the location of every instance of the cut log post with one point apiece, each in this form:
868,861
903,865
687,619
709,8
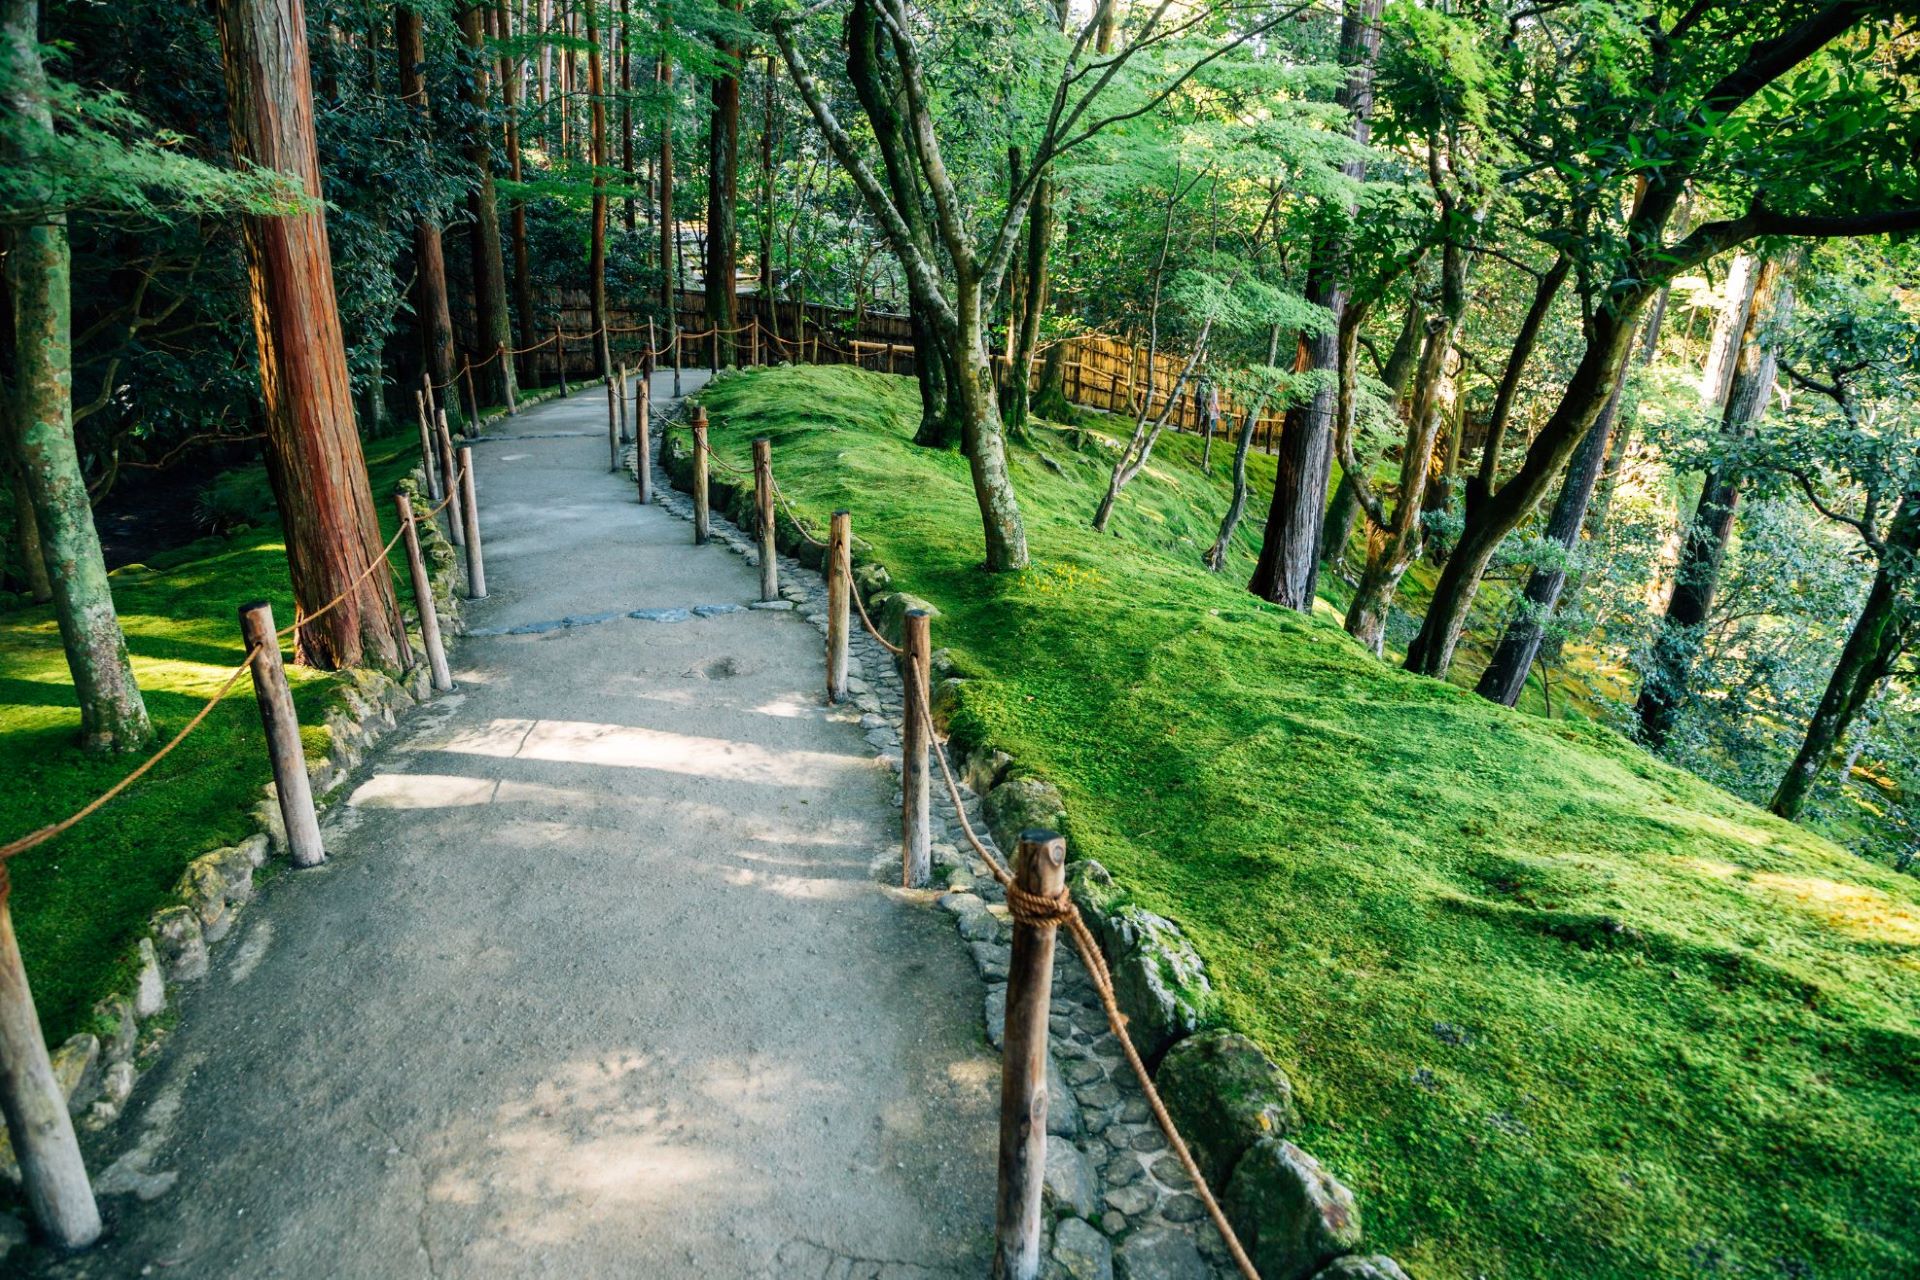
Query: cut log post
429,455
763,518
916,839
653,355
753,341
643,451
613,426
450,486
470,521
284,752
676,357
560,358
426,389
513,406
626,424
473,400
839,585
700,496
1039,868
35,1107
423,597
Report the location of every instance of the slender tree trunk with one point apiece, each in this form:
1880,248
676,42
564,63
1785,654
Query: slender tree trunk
669,259
1289,568
597,230
1487,478
1035,287
431,313
1625,426
517,207
113,716
983,439
1506,674
1216,556
494,329
26,527
313,450
723,178
630,203
1663,687
1875,643
766,201
1343,512
1730,324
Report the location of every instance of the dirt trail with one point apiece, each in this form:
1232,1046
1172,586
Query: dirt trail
599,980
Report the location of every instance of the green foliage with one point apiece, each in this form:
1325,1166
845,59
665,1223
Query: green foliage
1555,1009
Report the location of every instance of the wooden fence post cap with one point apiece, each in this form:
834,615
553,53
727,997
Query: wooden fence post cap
922,613
841,513
252,606
699,415
758,441
1045,837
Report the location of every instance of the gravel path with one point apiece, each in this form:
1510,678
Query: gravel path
599,980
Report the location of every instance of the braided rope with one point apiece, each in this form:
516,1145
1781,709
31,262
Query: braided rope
1042,910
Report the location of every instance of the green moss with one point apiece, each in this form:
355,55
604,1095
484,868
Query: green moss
81,901
1554,1009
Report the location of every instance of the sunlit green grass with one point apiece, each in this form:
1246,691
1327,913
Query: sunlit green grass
1555,1009
81,901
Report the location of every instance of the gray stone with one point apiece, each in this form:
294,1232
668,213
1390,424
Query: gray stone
1377,1266
945,701
149,989
589,619
1069,1181
120,1030
1133,1199
715,610
962,904
1082,1252
1019,804
773,606
1084,1071
660,615
255,847
13,1235
76,1065
116,1083
1292,1215
1113,1222
181,946
984,769
893,614
1160,1254
1063,1110
1159,980
1224,1095
997,1015
1093,893
979,926
1102,1094
1183,1208
991,959
536,628
872,580
1124,1169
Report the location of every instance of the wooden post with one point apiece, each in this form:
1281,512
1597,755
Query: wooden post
763,516
1039,867
916,840
513,407
613,427
653,354
839,584
450,482
473,399
426,388
51,1167
289,759
423,597
429,461
753,341
560,358
700,495
626,426
643,451
470,512
676,356
889,355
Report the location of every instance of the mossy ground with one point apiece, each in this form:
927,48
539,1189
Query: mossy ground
81,901
1554,1009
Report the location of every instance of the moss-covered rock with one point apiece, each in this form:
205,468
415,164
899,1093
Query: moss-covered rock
1224,1095
1158,978
893,615
1019,804
1292,1215
1376,1266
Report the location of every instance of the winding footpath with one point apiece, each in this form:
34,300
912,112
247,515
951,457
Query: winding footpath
600,979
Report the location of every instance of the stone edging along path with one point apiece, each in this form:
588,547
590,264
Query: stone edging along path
98,1071
1119,1201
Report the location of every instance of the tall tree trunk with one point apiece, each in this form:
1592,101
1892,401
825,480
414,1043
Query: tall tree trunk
431,313
490,315
723,180
1875,643
1033,303
1696,577
1625,426
517,207
1216,555
1289,568
597,231
630,203
313,451
1520,643
669,258
1343,512
982,438
1729,331
113,717
766,199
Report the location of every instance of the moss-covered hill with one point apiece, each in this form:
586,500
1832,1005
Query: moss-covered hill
1555,1009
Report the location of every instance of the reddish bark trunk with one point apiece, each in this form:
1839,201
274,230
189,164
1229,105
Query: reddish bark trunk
431,313
313,450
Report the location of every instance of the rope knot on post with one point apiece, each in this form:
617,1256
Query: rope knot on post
1042,910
